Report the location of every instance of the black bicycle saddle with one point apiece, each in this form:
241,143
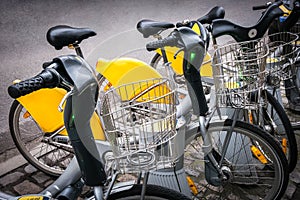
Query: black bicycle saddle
216,12
62,35
149,27
239,33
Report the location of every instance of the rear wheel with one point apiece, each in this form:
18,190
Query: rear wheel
253,164
48,152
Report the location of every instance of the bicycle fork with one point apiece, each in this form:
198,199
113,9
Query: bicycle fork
215,173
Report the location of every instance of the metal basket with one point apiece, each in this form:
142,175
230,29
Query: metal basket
139,120
282,55
239,74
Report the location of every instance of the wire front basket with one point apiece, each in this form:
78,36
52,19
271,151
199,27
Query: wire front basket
282,54
139,120
239,74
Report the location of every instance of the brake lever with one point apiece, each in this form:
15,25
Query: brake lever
181,49
60,106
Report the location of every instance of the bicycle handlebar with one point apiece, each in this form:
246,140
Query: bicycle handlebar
262,7
292,19
171,40
48,78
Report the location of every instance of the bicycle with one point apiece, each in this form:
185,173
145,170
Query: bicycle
194,130
291,84
46,144
274,118
73,74
35,123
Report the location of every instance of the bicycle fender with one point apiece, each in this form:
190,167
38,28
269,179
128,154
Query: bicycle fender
42,106
125,70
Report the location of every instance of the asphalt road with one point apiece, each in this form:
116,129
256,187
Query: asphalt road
23,26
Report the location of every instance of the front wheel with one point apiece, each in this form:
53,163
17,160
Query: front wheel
153,192
251,160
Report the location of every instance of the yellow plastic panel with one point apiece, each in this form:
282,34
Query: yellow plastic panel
43,107
97,127
32,197
205,70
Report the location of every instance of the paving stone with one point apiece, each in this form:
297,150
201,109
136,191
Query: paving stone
291,189
27,187
10,178
297,193
40,177
295,177
30,169
48,183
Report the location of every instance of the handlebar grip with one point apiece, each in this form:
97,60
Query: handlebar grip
179,24
46,79
168,41
261,7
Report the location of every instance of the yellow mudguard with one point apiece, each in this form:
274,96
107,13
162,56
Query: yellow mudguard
42,105
125,70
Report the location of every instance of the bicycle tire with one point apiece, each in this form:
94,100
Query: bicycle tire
153,192
248,177
283,127
31,142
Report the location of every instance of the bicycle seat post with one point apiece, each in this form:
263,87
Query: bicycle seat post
77,49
